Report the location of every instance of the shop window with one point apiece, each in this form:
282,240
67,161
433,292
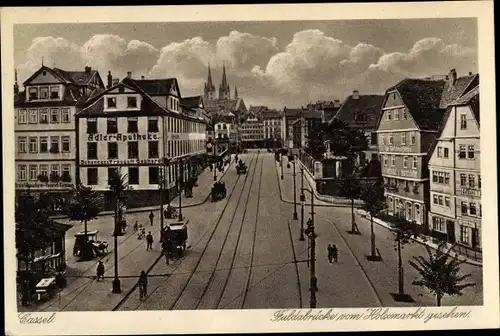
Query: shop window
92,176
133,175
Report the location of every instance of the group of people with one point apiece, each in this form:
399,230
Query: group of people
333,253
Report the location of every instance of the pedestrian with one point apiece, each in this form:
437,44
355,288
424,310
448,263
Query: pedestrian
136,226
151,216
335,253
149,241
330,253
167,248
143,284
100,270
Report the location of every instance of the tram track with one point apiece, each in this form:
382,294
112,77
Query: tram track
211,233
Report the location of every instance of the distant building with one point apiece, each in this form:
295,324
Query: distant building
272,122
362,112
45,131
252,133
288,118
455,171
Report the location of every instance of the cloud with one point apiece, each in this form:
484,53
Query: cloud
311,66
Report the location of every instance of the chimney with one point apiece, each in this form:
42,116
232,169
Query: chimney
110,80
336,103
115,81
142,77
470,73
129,74
355,94
453,77
16,86
88,69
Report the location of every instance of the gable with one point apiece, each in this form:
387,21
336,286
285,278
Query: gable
121,88
174,88
395,114
44,77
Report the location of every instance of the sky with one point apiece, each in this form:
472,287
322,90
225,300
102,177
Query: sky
288,63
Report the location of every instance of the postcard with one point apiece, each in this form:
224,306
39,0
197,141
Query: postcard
250,168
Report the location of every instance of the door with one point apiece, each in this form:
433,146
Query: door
450,231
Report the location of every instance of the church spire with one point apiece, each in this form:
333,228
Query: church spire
224,89
235,92
209,79
209,86
224,79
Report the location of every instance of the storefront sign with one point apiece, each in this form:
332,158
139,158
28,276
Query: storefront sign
41,185
119,162
400,172
123,137
396,149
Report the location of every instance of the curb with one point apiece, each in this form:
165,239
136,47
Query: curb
420,241
153,207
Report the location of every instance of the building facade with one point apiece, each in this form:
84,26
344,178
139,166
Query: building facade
137,127
45,128
272,125
455,170
252,133
289,117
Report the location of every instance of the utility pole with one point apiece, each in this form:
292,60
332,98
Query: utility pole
295,217
302,201
312,238
281,163
116,282
213,159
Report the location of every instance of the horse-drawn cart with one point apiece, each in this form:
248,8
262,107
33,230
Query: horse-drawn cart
241,168
174,238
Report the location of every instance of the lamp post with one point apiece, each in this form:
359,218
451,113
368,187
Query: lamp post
302,201
213,160
281,164
295,217
312,237
180,183
116,282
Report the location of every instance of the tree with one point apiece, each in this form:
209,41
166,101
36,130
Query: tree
373,202
351,189
403,234
85,206
344,140
440,273
316,142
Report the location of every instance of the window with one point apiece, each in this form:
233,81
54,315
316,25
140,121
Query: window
65,144
111,102
464,208
44,170
91,150
131,102
415,162
153,175
461,152
447,178
472,181
33,116
54,92
396,114
438,224
152,124
404,114
464,234
390,139
91,126
44,92
112,126
447,201
463,180
65,115
470,151
44,144
153,150
33,145
111,172
389,115
21,172
132,125
44,116
133,149
393,160
479,181
92,176
33,93
413,138
54,170
54,144
54,116
133,175
403,138
112,150
472,209
22,117
440,152
33,173
440,200
21,145
463,121
66,171
405,162
446,152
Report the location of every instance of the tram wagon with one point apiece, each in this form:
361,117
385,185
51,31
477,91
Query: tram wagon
218,191
175,237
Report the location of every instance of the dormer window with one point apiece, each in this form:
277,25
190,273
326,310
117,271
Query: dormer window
131,102
33,93
54,92
44,92
111,102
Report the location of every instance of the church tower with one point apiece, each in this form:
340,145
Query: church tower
235,92
209,86
224,90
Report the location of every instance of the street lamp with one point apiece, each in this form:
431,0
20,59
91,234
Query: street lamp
180,183
302,201
295,217
281,164
312,237
213,159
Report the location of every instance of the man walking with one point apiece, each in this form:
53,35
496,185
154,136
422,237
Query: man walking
151,216
149,241
330,253
335,253
100,271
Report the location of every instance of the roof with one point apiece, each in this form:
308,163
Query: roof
193,102
462,86
72,96
369,105
227,104
471,99
269,114
422,98
312,114
68,77
292,112
153,87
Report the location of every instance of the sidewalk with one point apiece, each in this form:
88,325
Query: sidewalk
422,240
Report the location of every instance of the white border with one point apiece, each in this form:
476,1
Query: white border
254,320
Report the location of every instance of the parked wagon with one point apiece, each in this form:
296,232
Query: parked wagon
88,247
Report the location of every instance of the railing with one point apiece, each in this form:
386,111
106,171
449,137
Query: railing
469,252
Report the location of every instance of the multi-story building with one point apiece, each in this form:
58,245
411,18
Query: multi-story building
252,133
455,170
362,112
226,134
288,118
45,128
139,128
272,123
407,128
